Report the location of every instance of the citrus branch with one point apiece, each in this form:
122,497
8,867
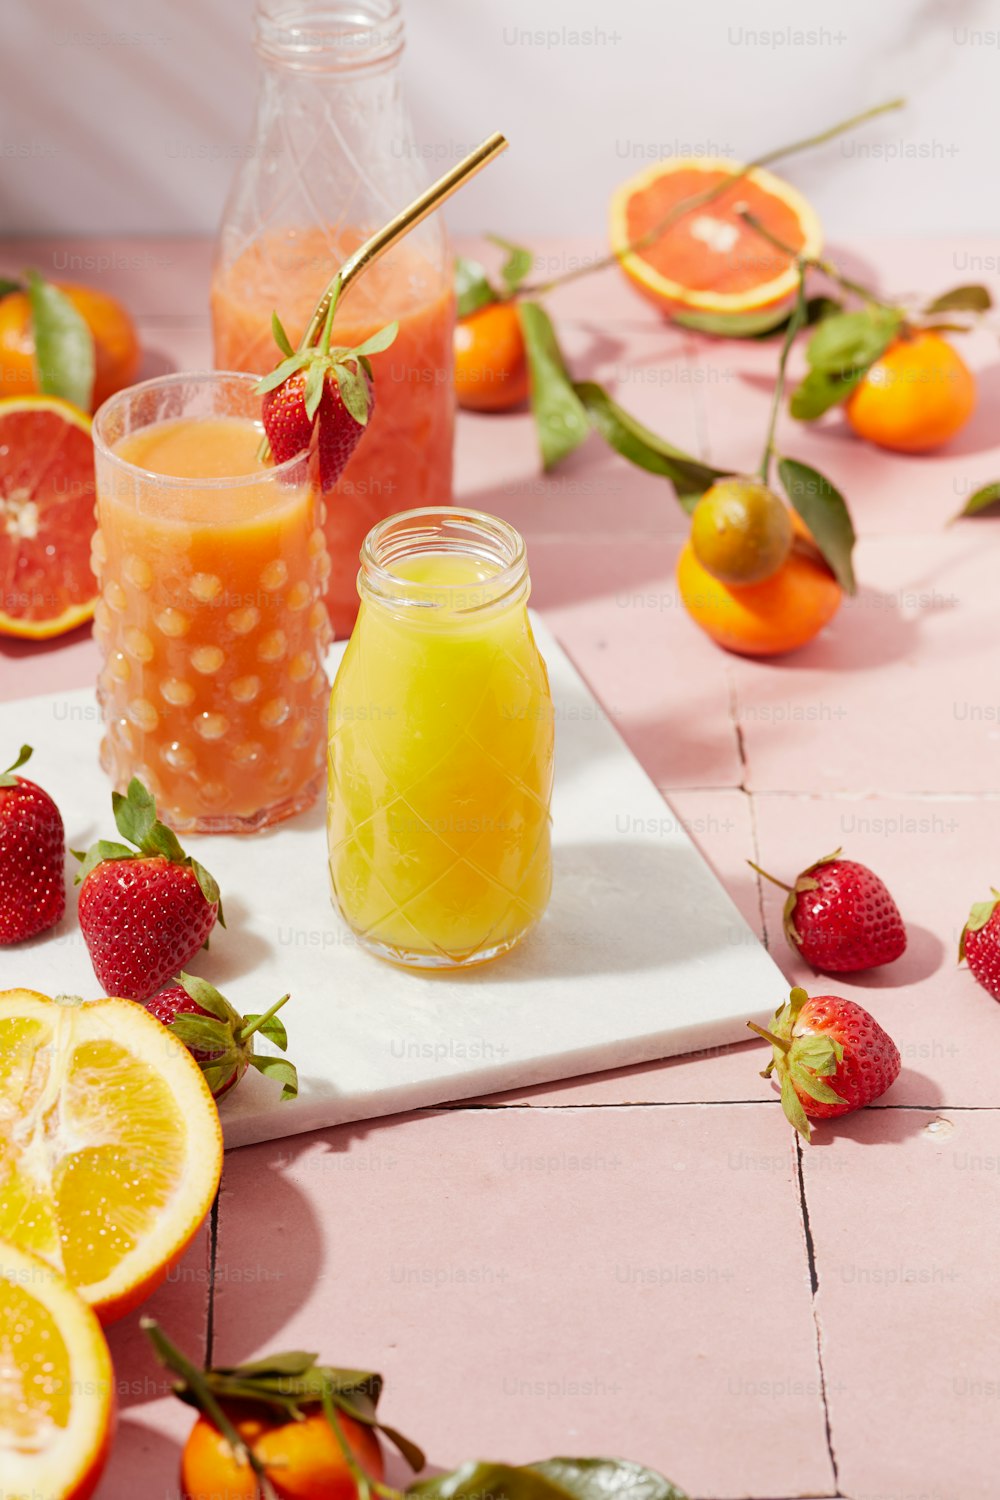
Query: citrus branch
795,322
814,262
699,200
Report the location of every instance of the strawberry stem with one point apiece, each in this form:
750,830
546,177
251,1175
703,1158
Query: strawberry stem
769,1036
255,1025
772,878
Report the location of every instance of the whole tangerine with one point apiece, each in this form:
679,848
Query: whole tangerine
491,363
761,619
116,344
916,397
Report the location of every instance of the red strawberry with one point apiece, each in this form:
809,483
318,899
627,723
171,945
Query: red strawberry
144,912
219,1039
830,1056
840,916
980,944
32,857
322,390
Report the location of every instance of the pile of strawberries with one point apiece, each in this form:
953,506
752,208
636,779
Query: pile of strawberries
146,908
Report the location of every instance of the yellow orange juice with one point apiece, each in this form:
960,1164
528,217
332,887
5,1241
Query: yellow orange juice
441,749
211,619
406,456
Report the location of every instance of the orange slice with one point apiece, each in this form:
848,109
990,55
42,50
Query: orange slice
46,517
110,1144
709,259
56,1384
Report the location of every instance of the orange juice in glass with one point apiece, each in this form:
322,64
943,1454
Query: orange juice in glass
211,620
333,156
441,746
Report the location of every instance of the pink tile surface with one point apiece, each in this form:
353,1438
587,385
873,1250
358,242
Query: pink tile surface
558,1272
907,1306
480,1244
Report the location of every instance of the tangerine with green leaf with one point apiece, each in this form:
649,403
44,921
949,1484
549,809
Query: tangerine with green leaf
741,531
917,396
302,1458
116,343
780,614
491,362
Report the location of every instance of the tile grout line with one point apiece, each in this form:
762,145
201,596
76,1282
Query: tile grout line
814,1288
213,1250
472,1107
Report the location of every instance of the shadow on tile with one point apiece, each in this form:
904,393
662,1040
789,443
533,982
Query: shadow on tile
140,1455
881,1124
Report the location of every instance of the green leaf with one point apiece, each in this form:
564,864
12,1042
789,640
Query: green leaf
209,887
353,392
208,997
204,1035
608,1479
135,813
281,1069
792,1105
281,372
472,287
163,840
64,345
553,1479
560,418
746,325
476,1481
281,338
7,778
7,286
97,854
689,476
812,1084
822,1054
378,341
961,299
518,263
982,500
292,1362
846,340
819,390
824,510
315,386
273,1028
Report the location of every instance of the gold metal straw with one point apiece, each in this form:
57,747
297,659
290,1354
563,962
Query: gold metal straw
394,231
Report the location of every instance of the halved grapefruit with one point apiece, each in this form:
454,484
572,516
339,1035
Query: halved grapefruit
46,517
708,260
57,1388
110,1144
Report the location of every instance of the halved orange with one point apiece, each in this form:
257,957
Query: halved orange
46,517
709,259
56,1384
110,1144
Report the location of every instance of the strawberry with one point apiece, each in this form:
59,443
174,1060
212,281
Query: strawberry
32,857
840,916
219,1039
146,911
980,944
830,1056
322,391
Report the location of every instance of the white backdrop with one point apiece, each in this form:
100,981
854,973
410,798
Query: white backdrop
128,115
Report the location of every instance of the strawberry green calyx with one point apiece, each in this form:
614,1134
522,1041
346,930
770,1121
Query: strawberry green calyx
222,1041
978,918
803,882
7,778
349,367
135,817
800,1061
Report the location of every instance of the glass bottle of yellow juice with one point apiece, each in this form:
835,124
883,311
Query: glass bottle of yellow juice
441,746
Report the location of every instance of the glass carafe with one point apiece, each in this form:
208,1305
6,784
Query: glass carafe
332,159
